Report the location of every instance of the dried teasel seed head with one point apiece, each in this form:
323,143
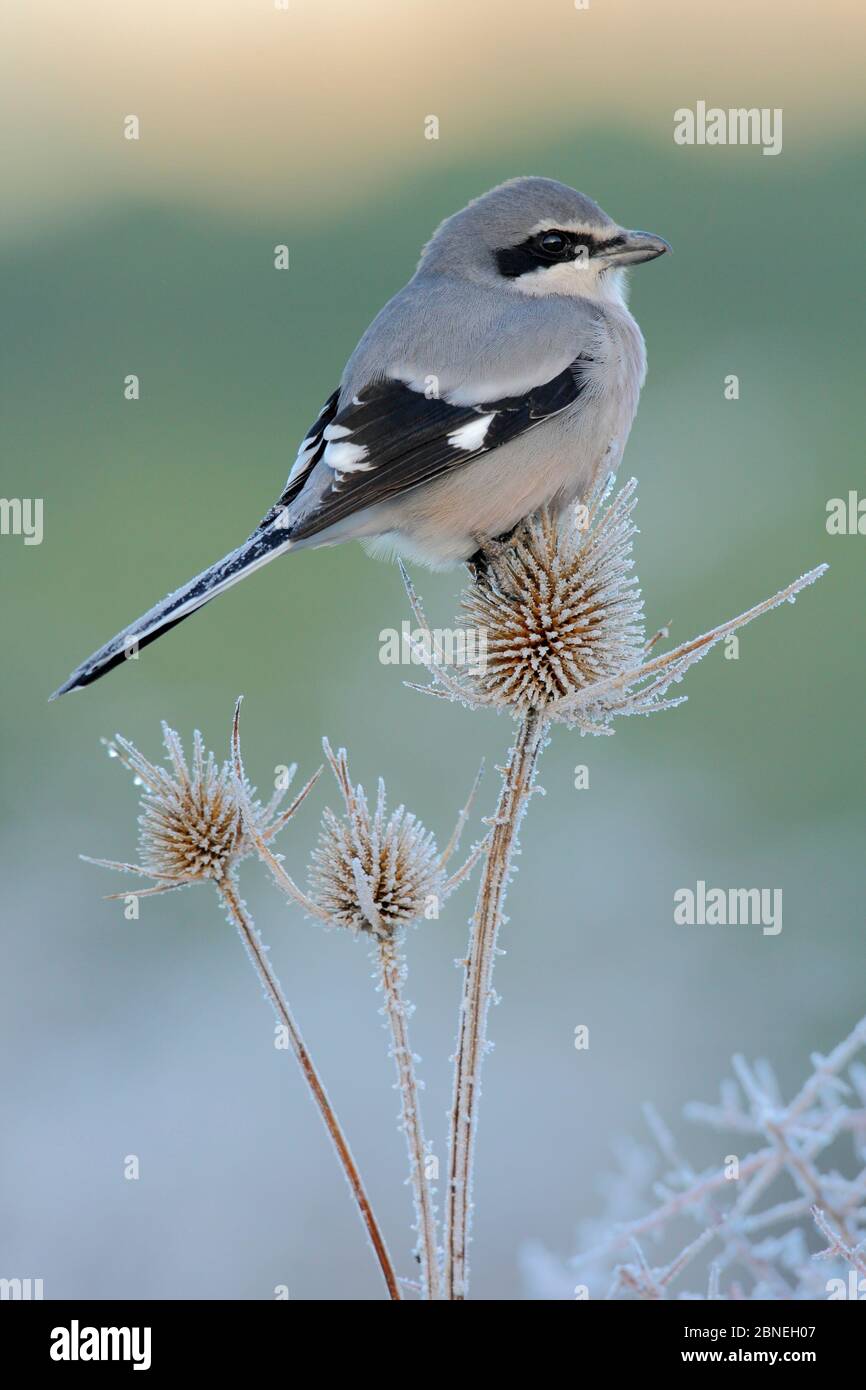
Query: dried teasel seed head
558,606
370,871
192,824
558,626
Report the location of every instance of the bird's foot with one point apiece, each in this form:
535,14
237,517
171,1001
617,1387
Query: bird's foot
489,550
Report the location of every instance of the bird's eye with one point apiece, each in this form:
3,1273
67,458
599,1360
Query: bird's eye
553,243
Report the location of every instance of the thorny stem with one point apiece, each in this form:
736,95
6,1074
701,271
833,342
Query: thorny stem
255,951
855,1257
687,653
283,879
761,1167
393,971
517,783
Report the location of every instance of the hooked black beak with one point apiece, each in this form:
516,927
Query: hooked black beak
635,248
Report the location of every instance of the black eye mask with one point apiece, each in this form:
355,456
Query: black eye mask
562,246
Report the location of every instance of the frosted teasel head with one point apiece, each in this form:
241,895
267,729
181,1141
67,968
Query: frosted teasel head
563,620
196,818
560,606
379,873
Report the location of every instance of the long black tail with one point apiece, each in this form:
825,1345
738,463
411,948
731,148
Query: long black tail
266,542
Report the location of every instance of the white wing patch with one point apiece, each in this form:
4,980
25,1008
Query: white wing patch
346,458
471,435
392,439
307,449
312,441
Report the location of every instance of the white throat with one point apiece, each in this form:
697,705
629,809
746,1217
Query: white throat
582,280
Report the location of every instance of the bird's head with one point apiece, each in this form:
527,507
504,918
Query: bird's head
539,237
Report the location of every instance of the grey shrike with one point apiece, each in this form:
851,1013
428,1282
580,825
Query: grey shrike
504,377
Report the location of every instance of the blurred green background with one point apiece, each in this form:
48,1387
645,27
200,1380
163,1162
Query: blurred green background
150,1037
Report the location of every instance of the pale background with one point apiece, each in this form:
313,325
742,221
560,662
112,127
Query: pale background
306,127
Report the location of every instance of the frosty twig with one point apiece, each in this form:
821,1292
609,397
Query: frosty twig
393,970
261,965
198,823
472,1027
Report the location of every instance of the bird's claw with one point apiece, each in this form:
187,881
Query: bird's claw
489,550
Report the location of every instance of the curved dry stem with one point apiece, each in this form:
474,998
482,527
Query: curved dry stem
366,900
437,663
255,951
281,877
285,816
123,868
671,666
457,833
392,972
461,874
517,783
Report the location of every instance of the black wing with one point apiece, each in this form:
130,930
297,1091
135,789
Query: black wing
391,439
312,448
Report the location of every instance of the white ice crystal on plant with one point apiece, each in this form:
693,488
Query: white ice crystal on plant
369,867
756,1228
197,821
562,622
560,607
378,873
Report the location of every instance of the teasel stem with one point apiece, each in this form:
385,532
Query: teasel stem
517,781
256,952
393,971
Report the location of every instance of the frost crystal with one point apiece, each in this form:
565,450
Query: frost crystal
560,621
559,607
370,871
757,1211
194,817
